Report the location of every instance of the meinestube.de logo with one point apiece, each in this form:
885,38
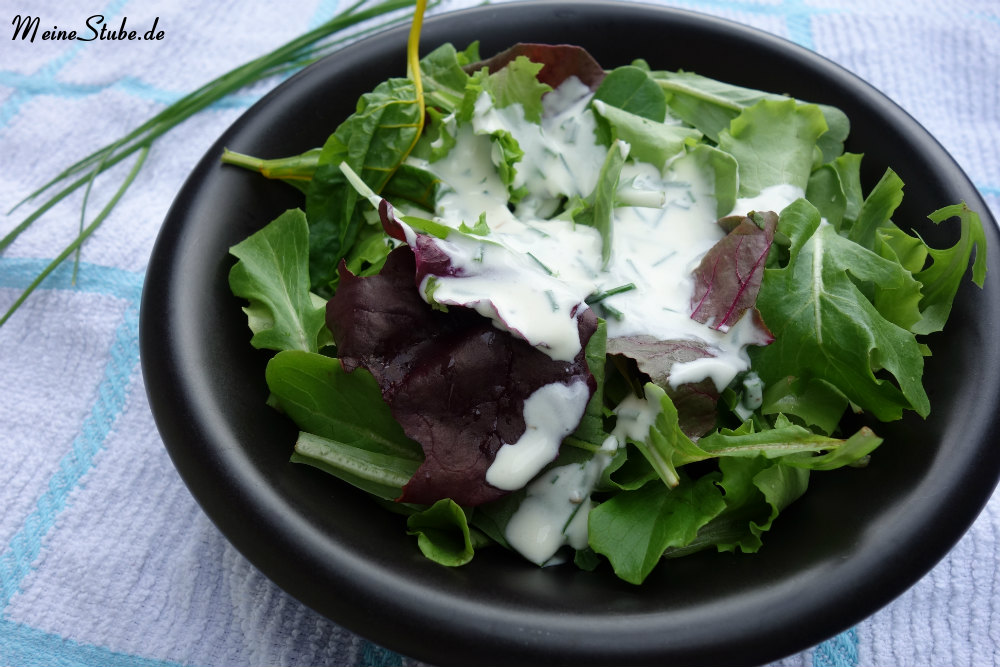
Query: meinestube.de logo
94,28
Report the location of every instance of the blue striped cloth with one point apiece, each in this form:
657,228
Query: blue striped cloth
105,559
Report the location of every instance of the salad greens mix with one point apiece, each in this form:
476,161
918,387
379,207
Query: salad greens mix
584,314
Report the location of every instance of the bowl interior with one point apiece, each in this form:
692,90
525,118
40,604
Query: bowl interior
855,541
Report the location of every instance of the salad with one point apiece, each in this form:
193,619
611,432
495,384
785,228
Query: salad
600,316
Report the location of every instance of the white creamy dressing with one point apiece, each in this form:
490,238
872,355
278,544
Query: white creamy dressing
530,275
550,414
555,508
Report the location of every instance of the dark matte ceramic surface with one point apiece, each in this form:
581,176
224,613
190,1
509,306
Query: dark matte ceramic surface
854,542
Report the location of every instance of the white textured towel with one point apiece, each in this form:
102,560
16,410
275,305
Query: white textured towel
105,558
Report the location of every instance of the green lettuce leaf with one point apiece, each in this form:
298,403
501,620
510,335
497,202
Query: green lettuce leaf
748,481
632,89
517,83
877,209
710,105
442,532
634,528
347,428
273,275
443,77
650,141
942,278
825,326
373,142
774,143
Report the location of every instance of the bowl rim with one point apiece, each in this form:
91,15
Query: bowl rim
227,479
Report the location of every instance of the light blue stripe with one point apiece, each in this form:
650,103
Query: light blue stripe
30,84
797,14
798,18
27,647
841,651
12,106
18,273
373,655
17,559
325,10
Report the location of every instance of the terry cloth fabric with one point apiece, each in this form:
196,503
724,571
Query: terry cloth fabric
105,558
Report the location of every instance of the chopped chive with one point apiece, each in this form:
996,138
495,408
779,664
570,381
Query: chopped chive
541,264
597,297
612,312
664,258
552,300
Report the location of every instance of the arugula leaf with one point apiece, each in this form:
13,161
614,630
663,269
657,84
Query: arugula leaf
941,279
667,447
795,445
747,480
877,210
825,327
774,143
273,275
604,197
599,208
813,400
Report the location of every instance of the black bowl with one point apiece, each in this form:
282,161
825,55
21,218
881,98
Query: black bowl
855,541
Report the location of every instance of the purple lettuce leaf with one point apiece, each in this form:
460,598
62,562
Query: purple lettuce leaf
454,382
559,61
728,279
695,402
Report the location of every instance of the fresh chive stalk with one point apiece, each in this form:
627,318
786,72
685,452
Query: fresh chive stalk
297,53
597,297
81,236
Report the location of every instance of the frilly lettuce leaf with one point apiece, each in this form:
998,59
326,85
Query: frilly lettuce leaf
774,143
667,447
710,105
942,278
559,62
825,326
273,275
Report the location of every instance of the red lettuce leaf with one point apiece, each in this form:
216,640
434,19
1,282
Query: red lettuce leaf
559,62
454,382
728,279
695,402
